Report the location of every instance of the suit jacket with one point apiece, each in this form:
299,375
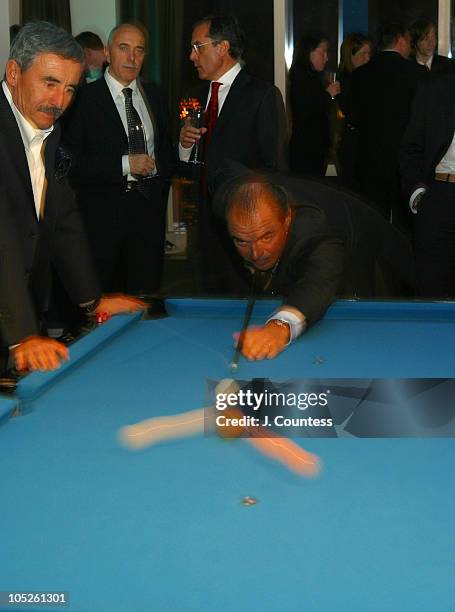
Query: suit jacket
379,106
311,266
439,65
430,131
96,139
250,127
310,140
59,238
17,316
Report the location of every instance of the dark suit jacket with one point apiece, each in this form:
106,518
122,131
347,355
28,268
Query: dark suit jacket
95,137
430,131
17,316
379,105
439,65
311,266
310,140
250,127
59,238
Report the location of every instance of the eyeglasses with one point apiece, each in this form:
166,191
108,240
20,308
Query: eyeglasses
195,46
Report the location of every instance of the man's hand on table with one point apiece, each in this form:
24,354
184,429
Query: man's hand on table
264,342
39,353
119,304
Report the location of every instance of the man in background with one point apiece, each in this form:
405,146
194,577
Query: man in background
379,105
95,59
118,136
245,122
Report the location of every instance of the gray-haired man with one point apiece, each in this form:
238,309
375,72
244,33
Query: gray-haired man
41,76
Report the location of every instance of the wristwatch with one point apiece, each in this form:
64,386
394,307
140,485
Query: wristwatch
281,323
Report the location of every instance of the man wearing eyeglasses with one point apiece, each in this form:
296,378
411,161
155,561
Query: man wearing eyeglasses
245,122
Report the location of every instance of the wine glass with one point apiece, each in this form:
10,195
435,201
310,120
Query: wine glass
197,121
144,136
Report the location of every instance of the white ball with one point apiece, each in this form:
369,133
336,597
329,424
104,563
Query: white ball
227,385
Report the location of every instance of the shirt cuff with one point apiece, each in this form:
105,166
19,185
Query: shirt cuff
184,153
415,199
296,325
125,165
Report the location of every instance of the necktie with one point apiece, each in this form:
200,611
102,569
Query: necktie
136,134
211,113
137,144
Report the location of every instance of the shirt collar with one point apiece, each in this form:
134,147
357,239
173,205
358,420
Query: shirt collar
228,77
30,135
116,87
428,63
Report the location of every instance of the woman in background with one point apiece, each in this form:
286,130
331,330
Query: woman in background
311,98
356,51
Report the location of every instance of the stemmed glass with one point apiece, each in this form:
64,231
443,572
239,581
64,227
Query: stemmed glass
197,121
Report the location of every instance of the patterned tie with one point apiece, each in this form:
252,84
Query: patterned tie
136,134
211,113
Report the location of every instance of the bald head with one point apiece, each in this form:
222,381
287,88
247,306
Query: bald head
126,52
258,217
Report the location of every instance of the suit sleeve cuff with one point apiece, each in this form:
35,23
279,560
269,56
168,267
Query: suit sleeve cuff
415,198
125,165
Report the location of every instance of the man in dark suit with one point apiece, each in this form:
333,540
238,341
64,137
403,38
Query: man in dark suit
245,122
379,105
290,254
378,260
41,75
119,140
428,175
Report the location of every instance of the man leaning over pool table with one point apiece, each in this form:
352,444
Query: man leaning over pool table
290,254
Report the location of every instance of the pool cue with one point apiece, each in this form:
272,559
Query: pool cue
246,321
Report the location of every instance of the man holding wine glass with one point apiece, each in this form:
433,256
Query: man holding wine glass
118,136
244,121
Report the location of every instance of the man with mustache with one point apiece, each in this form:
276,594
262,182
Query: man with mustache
41,76
119,139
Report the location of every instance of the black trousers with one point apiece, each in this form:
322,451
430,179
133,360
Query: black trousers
126,232
434,241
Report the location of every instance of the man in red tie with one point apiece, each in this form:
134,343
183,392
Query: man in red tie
244,122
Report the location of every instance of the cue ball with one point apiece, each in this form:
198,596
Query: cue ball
227,385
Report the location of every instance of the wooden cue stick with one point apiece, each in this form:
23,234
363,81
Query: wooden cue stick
246,321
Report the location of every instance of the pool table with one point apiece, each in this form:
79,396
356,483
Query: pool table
164,529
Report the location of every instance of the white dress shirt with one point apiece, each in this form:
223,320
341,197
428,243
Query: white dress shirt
226,81
33,139
117,95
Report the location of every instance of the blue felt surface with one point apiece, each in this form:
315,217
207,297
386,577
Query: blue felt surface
163,529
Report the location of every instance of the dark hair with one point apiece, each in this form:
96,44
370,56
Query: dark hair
351,44
40,37
89,40
301,61
390,33
130,24
226,28
245,192
419,29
